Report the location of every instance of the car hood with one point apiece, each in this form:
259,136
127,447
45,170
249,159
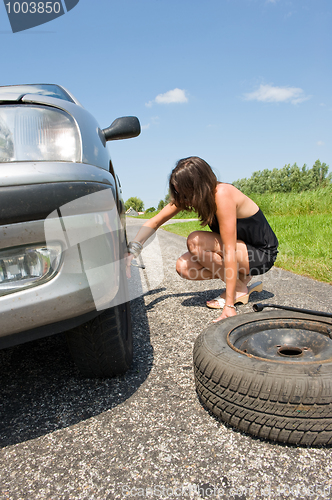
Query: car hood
10,97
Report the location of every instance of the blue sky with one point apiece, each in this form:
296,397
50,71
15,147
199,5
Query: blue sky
245,84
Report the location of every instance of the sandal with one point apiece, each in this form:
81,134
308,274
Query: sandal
243,299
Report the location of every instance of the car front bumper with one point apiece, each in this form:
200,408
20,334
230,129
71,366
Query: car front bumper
82,217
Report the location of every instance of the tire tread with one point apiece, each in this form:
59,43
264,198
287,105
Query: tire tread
102,347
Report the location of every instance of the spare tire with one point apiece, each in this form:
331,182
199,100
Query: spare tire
269,374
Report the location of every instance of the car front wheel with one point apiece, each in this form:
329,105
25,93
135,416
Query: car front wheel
103,347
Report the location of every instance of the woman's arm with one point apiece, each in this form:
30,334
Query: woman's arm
227,215
151,225
147,230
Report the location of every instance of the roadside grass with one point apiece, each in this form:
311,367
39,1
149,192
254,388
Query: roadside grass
185,228
318,201
305,244
181,215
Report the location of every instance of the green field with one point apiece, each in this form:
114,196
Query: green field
303,225
181,215
305,203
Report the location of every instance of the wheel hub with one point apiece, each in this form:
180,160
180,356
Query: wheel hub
283,341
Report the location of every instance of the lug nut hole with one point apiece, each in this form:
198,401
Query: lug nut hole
288,350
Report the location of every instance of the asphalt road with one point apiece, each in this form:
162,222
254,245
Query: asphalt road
146,434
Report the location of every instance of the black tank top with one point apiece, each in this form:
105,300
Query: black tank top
254,230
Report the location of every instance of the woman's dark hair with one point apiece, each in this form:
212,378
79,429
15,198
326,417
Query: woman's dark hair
192,186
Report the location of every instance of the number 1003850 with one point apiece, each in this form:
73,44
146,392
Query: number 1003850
33,7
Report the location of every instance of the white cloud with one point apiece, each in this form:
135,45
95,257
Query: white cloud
320,143
154,120
269,93
176,95
172,96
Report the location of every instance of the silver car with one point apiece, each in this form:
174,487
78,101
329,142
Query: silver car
62,228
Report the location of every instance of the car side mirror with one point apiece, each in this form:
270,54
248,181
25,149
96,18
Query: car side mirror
122,128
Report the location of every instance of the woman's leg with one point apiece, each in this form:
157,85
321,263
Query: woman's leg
204,260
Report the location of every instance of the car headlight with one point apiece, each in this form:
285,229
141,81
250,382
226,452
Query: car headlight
38,133
23,267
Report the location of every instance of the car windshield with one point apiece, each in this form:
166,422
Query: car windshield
40,89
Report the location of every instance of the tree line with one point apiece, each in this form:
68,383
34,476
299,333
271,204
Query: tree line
286,179
138,205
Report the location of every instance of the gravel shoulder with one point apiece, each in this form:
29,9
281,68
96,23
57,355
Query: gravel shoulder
146,434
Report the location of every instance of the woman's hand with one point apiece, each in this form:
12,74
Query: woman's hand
227,312
128,258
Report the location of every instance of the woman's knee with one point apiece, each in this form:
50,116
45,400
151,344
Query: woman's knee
181,267
194,242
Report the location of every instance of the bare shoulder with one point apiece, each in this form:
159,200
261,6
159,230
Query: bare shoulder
229,196
227,192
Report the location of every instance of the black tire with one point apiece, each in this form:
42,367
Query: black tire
271,391
103,347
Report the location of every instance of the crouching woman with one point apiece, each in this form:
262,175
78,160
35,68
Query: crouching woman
241,243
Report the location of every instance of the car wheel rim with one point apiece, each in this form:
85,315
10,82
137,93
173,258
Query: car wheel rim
283,341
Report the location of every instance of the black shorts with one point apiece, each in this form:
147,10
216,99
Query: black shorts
260,260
